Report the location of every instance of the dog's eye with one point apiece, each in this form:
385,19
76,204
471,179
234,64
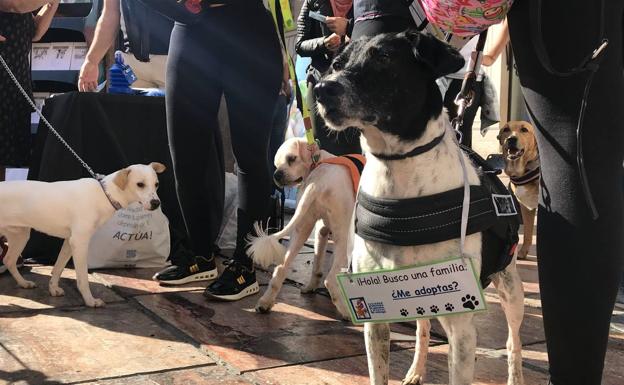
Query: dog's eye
291,159
337,65
141,185
524,129
157,184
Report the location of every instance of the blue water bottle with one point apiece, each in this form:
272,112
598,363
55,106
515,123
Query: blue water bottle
121,76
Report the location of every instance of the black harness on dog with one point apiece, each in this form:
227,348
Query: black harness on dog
437,218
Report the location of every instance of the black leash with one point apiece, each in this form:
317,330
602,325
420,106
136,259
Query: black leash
465,97
98,177
590,64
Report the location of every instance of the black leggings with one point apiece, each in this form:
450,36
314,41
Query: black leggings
580,259
233,51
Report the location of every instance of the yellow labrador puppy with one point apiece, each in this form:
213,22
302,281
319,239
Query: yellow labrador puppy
522,164
72,210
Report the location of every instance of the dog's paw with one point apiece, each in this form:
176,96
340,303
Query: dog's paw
470,302
27,284
449,307
95,302
262,309
416,379
434,309
420,310
523,253
404,312
56,291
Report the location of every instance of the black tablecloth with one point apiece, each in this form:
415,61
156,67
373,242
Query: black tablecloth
109,132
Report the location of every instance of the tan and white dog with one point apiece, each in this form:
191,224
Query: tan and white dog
72,210
385,86
325,203
522,163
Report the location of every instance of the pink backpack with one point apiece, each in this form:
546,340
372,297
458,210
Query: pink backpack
465,17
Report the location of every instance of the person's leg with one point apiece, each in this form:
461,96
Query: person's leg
278,133
192,100
252,72
2,173
580,259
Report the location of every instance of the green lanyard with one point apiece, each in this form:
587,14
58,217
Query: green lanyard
289,25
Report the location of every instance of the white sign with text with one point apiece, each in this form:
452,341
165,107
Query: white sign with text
432,290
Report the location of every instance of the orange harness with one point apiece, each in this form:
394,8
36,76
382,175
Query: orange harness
353,162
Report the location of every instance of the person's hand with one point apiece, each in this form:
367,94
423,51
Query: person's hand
89,73
337,25
286,89
332,42
2,38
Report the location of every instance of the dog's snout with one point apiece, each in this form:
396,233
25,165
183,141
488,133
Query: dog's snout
328,90
278,175
154,204
512,141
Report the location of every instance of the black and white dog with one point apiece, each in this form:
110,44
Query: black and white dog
385,86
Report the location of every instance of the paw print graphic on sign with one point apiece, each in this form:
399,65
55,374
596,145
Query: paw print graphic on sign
434,309
470,302
404,312
449,307
420,310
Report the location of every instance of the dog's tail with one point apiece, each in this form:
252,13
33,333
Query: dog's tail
266,249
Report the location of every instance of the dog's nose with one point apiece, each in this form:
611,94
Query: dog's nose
278,175
512,141
328,90
154,203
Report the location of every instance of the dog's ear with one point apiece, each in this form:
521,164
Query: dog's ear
440,57
499,137
121,178
304,152
158,167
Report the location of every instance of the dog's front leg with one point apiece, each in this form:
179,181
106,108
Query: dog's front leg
462,336
61,262
320,248
528,223
377,339
509,286
416,373
80,246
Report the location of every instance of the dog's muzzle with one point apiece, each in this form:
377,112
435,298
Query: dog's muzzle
513,152
154,204
328,92
280,179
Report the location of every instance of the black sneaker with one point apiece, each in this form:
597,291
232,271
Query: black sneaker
197,269
236,282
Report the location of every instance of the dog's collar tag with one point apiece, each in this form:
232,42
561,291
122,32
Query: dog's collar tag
436,289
